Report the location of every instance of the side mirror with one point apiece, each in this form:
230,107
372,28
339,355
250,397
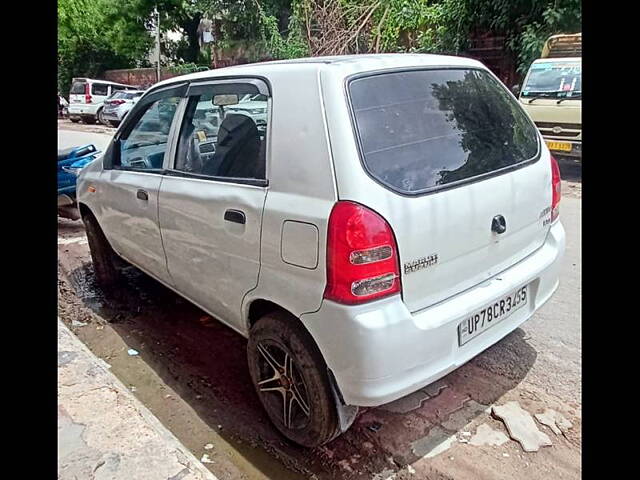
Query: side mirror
515,90
111,154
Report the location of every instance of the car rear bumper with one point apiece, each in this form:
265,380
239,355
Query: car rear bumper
379,352
83,110
115,115
112,116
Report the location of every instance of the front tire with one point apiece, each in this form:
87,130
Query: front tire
102,255
290,378
89,120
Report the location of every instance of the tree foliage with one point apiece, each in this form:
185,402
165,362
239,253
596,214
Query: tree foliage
94,35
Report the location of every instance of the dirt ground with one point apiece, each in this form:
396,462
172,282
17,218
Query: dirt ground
571,174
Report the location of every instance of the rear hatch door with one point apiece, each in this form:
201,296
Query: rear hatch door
77,93
455,153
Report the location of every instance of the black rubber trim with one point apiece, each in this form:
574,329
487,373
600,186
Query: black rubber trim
257,182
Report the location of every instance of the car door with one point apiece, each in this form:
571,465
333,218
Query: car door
130,182
211,199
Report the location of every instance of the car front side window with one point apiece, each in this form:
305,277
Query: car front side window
144,145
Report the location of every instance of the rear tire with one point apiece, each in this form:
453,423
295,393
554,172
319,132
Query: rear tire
102,255
301,383
74,120
89,120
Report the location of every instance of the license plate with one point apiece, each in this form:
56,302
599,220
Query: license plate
482,320
561,146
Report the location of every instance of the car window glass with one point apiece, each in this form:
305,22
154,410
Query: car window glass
77,88
224,141
554,79
145,144
99,89
423,129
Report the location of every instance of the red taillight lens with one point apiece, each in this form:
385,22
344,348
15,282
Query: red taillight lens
556,187
116,102
362,255
87,95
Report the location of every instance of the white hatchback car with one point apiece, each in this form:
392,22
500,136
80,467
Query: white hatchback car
367,244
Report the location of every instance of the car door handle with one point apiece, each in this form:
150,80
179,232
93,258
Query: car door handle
142,195
235,216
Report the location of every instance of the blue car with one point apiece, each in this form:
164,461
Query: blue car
70,162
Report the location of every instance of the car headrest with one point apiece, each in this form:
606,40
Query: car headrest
234,125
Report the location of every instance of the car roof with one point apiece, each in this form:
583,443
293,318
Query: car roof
346,64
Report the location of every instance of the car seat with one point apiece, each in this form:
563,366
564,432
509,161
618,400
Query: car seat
237,149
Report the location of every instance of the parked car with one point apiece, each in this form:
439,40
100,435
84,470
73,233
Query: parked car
70,162
87,96
118,105
552,94
403,221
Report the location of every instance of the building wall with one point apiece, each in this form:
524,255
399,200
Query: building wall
141,77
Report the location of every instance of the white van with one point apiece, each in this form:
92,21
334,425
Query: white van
552,94
87,97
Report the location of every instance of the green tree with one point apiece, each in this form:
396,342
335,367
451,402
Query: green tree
95,35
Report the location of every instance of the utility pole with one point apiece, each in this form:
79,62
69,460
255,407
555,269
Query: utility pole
158,40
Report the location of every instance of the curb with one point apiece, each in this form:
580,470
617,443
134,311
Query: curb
104,431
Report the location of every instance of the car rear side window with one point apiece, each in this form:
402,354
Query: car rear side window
100,89
423,129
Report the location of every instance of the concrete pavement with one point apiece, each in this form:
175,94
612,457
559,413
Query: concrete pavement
104,432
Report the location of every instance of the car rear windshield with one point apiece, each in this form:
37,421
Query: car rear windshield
77,88
420,130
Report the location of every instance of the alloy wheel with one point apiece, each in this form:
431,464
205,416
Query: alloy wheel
281,385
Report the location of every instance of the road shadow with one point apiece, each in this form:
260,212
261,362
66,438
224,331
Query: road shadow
204,362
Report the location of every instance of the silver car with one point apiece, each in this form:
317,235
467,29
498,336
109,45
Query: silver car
118,105
367,242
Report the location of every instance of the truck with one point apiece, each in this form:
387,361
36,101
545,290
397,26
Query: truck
552,94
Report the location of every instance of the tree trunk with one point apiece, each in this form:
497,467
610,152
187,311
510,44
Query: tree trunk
190,27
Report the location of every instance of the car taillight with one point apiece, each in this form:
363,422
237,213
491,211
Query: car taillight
555,189
116,102
87,96
362,255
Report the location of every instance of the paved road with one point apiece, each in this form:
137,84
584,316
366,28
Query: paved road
202,401
71,138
